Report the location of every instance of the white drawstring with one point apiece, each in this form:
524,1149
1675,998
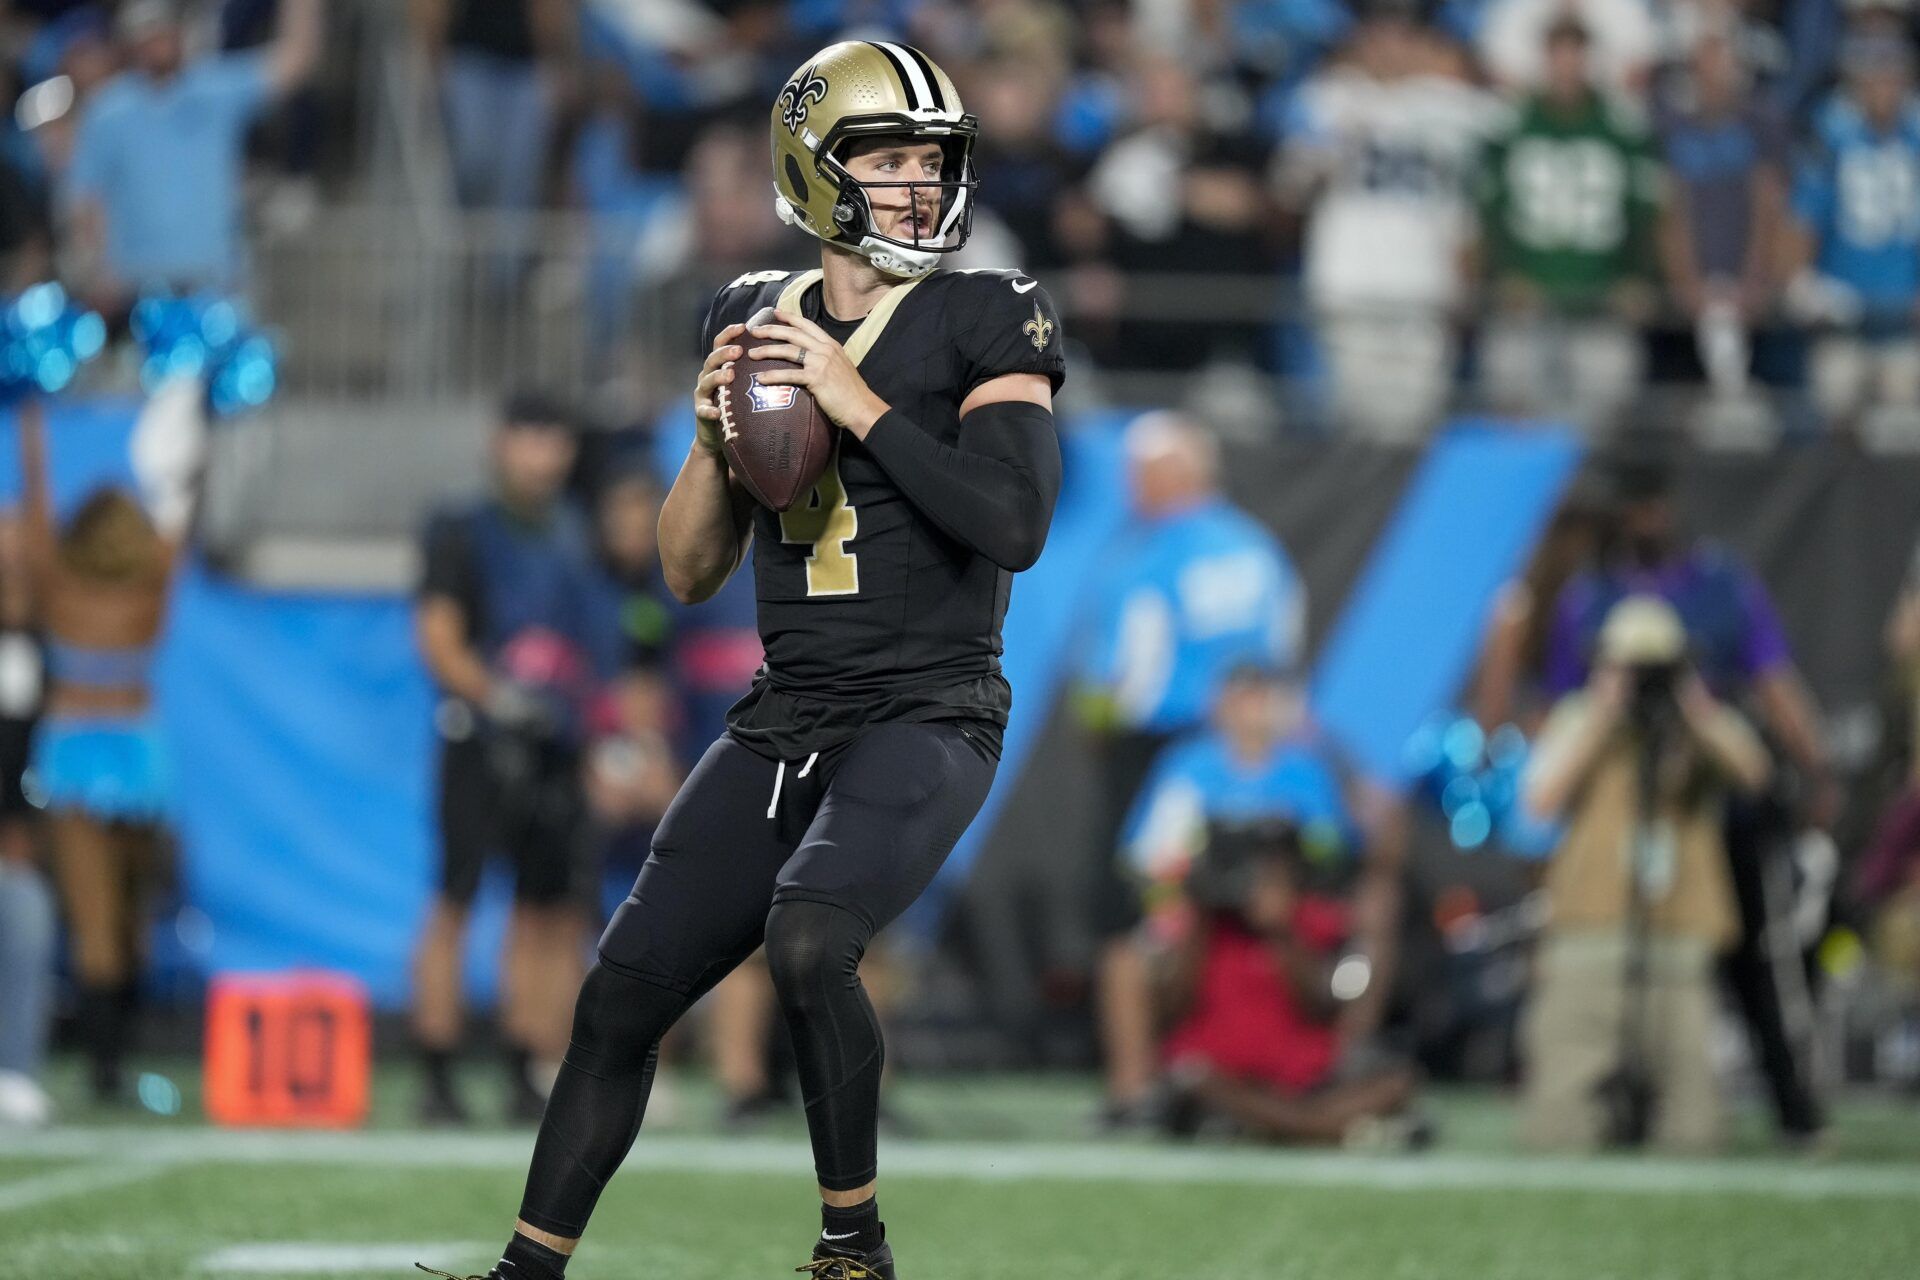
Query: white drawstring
780,776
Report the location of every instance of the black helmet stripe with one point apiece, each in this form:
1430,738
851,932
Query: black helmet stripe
910,82
933,77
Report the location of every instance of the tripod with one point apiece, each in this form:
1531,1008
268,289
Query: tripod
1628,1094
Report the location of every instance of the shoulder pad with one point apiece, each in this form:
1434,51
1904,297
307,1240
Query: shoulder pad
740,298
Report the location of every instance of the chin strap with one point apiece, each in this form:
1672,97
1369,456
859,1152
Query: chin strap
896,261
908,264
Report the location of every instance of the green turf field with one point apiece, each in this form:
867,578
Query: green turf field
999,1180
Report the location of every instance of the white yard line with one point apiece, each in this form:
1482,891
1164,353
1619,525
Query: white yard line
313,1258
981,1162
58,1184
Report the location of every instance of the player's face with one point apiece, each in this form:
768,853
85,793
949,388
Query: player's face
532,462
908,214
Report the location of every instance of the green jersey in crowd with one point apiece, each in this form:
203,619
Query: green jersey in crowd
1568,201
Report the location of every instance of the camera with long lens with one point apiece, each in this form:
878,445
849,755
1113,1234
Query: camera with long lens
1222,878
1654,698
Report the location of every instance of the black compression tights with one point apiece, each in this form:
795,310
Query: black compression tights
600,1095
813,953
598,1098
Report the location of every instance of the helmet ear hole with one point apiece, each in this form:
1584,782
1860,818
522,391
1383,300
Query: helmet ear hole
796,182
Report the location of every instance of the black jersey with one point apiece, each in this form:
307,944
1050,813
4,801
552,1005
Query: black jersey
869,612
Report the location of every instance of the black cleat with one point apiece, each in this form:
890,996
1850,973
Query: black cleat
751,1111
875,1264
525,1104
442,1108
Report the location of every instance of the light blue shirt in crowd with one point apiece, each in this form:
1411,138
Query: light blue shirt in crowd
1179,603
1199,780
164,159
1861,198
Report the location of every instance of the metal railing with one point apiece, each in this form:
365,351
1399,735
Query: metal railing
378,306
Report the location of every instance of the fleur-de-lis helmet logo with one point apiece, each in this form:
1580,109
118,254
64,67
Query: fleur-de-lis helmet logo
801,92
1040,329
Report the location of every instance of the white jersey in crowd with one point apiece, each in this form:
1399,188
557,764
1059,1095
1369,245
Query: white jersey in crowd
1395,158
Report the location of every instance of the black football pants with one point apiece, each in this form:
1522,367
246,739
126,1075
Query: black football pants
1767,969
811,857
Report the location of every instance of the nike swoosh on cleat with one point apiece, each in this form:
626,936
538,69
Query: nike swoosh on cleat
845,1235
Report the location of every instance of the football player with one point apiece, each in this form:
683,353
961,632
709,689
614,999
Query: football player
870,737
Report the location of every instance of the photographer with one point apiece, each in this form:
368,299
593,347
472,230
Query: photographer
1639,766
1254,993
1261,759
1738,645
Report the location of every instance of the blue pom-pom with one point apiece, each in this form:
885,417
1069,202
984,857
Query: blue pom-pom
211,338
43,342
1474,779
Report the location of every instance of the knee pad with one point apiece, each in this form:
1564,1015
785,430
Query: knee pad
618,1020
813,948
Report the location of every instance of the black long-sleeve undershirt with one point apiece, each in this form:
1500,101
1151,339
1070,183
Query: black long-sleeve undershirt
995,492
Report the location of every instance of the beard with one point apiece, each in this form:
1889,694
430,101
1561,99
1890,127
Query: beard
1649,550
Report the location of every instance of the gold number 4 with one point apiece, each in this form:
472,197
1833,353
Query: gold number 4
828,523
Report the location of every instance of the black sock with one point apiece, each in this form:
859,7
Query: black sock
519,1064
103,1031
853,1230
439,1067
530,1260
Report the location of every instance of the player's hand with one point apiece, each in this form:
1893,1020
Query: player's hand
825,371
716,372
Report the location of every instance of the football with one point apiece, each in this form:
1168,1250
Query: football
776,439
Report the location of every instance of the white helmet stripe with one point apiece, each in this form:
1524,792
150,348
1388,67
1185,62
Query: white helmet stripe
916,80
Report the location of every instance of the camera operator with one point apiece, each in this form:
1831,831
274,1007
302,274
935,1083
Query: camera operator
1261,759
1253,996
1739,646
1639,766
511,625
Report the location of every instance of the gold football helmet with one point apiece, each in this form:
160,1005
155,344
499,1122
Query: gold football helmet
864,89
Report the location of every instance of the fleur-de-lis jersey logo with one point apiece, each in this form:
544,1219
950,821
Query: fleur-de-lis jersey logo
801,91
1039,329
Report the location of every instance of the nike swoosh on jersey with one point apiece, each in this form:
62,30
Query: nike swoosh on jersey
1022,288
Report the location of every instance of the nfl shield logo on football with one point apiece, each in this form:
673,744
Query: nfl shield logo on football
765,398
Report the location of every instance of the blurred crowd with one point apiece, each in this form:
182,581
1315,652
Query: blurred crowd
1532,206
1400,207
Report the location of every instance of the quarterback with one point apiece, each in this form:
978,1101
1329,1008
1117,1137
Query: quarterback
871,735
